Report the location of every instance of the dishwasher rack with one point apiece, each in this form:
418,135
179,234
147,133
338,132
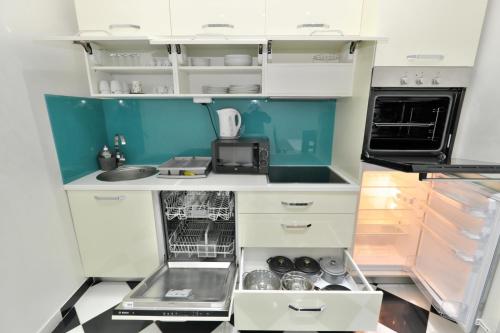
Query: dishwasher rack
183,205
190,238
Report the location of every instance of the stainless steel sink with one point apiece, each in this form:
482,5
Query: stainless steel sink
127,173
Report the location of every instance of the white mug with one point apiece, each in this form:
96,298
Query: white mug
104,87
116,87
136,87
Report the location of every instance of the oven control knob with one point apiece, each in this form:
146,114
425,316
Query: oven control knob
419,81
436,81
403,81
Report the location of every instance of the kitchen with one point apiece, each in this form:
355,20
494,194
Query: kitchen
308,90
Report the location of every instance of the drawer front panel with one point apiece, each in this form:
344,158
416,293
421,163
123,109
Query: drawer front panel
334,311
296,230
297,202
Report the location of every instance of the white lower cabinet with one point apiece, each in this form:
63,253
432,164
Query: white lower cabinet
116,232
315,310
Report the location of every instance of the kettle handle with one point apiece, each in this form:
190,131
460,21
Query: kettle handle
238,124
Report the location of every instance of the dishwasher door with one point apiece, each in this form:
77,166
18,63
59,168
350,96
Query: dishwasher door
182,291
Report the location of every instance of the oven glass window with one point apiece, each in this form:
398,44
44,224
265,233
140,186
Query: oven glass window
242,156
409,123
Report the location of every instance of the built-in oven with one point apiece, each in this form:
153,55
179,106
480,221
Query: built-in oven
197,280
243,155
412,119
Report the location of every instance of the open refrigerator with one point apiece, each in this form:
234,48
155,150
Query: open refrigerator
443,233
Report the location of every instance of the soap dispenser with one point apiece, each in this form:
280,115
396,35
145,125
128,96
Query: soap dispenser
106,159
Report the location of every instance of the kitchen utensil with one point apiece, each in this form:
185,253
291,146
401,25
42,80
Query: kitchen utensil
200,61
237,60
116,87
185,167
307,265
229,123
244,89
214,90
261,279
296,280
333,269
337,287
280,265
136,87
104,87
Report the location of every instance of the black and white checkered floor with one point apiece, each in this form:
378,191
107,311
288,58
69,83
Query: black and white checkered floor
404,310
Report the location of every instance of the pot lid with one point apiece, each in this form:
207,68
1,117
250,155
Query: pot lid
280,264
307,265
332,265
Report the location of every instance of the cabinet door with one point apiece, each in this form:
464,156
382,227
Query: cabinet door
323,17
116,232
123,17
425,32
217,17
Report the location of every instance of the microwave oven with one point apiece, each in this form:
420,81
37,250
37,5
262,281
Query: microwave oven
243,155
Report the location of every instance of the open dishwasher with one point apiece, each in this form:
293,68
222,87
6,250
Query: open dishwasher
197,280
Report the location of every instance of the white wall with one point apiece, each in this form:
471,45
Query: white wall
40,264
478,135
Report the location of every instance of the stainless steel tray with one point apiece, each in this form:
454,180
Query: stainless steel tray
185,167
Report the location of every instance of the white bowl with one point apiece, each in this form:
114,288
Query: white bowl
237,60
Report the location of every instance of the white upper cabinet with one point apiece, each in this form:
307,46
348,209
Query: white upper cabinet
205,18
123,17
313,17
425,32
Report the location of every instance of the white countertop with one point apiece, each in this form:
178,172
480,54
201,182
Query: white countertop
214,182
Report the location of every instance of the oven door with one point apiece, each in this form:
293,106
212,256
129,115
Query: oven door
413,130
182,291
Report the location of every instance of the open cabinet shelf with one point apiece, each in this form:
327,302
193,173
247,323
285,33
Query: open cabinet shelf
308,69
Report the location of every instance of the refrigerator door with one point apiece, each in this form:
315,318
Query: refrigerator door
458,249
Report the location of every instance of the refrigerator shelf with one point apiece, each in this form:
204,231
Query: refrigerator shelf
381,229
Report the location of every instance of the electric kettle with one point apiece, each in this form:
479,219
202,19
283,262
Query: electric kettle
229,123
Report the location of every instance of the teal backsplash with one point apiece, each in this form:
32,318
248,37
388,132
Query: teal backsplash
79,132
300,131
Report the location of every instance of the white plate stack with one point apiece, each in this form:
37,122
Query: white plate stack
249,89
214,90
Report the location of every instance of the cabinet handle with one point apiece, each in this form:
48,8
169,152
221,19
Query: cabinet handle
337,31
470,235
109,198
299,309
425,57
121,26
297,204
313,25
218,25
296,226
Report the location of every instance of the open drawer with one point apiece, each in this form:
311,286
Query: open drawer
182,291
354,310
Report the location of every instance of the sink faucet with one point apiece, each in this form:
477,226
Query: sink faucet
120,158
